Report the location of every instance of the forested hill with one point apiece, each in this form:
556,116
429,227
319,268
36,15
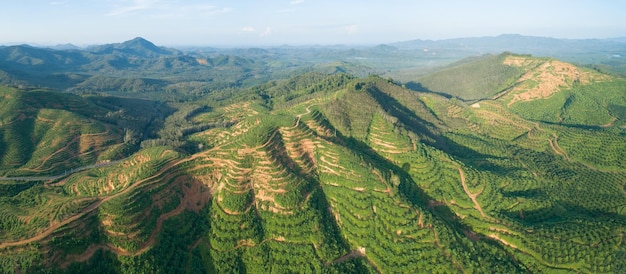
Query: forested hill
137,47
542,89
335,173
131,67
45,133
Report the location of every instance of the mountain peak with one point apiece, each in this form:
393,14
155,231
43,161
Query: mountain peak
140,41
67,46
137,46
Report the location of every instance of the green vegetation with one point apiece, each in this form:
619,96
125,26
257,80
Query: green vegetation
582,105
321,174
472,79
45,132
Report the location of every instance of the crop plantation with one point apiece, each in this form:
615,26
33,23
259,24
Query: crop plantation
518,168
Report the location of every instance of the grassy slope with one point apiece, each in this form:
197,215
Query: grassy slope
473,79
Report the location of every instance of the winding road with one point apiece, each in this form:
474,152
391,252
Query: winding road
86,210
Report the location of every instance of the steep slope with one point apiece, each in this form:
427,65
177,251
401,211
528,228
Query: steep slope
288,194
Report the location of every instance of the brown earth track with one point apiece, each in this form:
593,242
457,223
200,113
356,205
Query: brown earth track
54,226
91,250
556,148
360,252
193,199
497,238
553,142
610,124
45,159
86,210
472,196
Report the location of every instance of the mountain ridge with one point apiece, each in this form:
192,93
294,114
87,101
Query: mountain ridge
139,58
137,46
532,43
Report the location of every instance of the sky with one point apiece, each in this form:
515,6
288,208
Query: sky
223,23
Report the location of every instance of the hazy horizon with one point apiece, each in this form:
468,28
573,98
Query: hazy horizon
299,22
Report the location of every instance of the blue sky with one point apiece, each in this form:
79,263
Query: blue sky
300,22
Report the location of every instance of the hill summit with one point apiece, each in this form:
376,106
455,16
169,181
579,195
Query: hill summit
136,47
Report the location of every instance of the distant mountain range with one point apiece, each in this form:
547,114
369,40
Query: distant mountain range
575,50
68,66
519,44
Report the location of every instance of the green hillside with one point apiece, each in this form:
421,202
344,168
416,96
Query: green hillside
46,133
475,78
539,89
558,92
333,174
49,133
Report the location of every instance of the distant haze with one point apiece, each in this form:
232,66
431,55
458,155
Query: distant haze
300,22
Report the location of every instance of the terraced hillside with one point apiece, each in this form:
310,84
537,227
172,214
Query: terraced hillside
565,94
45,133
359,176
541,89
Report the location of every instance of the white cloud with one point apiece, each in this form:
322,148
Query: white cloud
296,2
248,29
267,32
165,8
204,9
131,6
352,29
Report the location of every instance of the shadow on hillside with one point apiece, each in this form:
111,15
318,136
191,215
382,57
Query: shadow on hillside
278,152
416,86
407,187
141,115
419,126
475,159
577,126
559,211
430,135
